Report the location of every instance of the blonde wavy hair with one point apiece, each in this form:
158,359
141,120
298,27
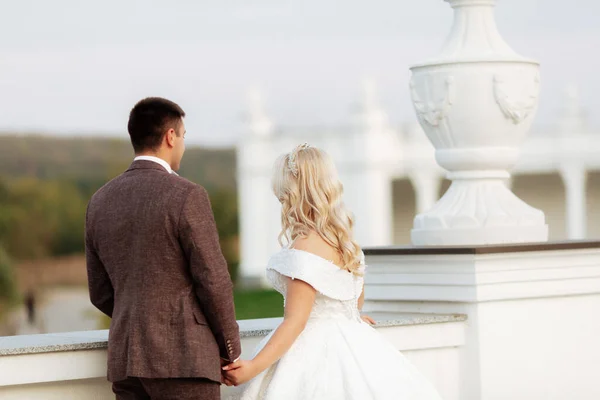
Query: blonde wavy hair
307,185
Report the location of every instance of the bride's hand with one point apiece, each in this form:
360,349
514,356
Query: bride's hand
240,372
368,319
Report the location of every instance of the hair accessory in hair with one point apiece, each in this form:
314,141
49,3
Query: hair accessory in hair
292,158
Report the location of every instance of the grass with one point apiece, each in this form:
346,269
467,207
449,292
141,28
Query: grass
249,304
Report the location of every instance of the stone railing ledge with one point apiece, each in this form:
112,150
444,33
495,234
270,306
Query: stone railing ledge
89,340
53,342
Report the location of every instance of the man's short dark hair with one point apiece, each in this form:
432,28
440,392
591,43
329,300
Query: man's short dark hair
149,119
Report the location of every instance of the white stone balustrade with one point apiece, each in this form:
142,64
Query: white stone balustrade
532,328
72,366
515,322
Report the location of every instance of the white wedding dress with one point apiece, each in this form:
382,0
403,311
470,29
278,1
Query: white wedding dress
337,356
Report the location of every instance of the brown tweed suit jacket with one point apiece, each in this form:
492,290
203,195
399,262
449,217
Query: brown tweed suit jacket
155,266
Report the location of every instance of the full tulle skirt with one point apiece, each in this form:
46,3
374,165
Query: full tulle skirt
339,359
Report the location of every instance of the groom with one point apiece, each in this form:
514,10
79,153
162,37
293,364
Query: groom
155,266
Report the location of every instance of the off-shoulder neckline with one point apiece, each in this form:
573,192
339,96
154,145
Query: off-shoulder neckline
330,262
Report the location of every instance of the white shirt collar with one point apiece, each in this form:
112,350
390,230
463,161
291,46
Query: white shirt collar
156,160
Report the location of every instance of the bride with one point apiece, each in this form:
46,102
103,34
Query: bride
323,349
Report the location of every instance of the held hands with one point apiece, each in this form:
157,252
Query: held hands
238,372
241,371
224,380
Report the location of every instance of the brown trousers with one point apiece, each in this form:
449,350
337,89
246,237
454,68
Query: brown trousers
167,389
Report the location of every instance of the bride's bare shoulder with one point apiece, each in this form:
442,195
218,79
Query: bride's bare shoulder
314,243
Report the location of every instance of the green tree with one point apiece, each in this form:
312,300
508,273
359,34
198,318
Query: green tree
70,212
224,205
4,211
41,218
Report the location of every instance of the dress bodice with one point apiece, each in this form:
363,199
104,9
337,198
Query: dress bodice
338,290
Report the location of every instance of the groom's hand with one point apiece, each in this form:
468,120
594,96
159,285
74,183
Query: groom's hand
224,379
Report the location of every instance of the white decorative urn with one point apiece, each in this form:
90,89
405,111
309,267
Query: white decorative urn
476,101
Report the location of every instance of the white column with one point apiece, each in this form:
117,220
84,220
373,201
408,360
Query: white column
255,199
574,178
369,197
476,102
259,123
367,182
255,216
427,188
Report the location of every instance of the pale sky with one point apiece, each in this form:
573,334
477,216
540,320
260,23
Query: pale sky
77,67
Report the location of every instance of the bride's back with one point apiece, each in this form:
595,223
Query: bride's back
315,262
315,244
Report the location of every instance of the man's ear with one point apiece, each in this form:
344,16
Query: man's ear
170,137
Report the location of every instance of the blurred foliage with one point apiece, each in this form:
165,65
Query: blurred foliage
41,218
225,210
89,162
47,183
8,287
